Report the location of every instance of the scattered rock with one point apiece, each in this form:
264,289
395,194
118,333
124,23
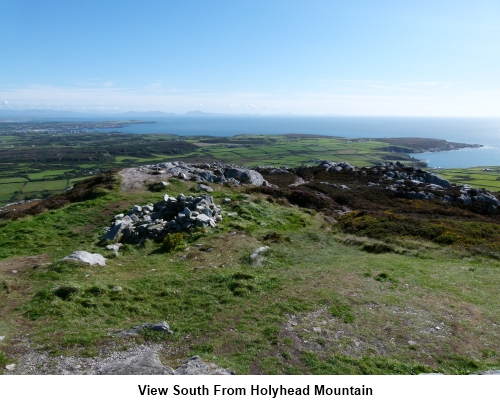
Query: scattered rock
146,363
160,327
196,366
205,188
86,257
490,372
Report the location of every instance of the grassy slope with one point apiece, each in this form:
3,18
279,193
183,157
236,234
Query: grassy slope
318,304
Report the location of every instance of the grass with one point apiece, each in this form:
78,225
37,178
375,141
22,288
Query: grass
319,303
482,177
51,185
8,189
7,180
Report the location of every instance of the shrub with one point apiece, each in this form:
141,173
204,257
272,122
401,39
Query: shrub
173,241
65,292
385,277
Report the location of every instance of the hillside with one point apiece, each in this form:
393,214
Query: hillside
386,269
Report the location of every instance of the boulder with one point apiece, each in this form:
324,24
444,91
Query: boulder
114,233
205,188
86,257
245,176
435,179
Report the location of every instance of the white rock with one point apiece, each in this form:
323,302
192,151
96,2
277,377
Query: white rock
10,367
258,251
86,257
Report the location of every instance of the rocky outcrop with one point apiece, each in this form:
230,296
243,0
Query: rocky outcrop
335,166
215,172
148,363
170,215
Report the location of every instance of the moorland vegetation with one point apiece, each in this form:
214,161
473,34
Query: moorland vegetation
357,279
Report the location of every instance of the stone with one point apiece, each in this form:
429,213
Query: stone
119,216
134,331
245,176
146,363
114,233
196,366
86,257
256,255
203,218
10,367
115,247
435,179
161,327
206,188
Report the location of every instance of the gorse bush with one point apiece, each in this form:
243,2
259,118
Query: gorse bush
173,241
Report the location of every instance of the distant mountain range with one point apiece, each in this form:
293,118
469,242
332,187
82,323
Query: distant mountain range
54,114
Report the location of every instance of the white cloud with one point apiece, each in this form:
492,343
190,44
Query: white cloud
457,100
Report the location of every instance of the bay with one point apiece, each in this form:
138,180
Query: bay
484,131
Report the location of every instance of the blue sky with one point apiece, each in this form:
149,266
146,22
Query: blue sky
422,58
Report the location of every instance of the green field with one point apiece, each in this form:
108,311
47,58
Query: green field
51,185
47,174
7,180
482,177
7,190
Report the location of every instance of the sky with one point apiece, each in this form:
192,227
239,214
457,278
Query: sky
315,57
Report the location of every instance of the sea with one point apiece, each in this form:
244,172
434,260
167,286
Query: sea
483,131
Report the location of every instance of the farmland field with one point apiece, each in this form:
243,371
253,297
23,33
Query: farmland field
54,158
